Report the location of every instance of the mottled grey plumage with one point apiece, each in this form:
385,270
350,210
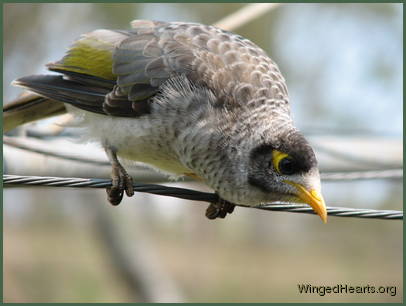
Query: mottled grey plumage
187,99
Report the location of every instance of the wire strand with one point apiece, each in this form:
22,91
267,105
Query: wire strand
362,175
10,180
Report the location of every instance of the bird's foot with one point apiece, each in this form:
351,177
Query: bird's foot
121,182
219,209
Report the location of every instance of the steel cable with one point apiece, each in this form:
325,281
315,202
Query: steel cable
16,180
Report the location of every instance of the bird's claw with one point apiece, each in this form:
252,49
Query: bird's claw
121,182
219,209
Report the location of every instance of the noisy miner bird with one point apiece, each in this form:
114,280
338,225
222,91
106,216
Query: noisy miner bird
187,99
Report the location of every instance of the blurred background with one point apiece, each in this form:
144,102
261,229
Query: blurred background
343,64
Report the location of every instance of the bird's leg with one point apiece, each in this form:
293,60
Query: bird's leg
219,209
120,180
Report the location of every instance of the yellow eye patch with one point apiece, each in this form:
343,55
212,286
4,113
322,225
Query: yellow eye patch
277,156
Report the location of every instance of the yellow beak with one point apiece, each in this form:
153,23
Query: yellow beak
313,198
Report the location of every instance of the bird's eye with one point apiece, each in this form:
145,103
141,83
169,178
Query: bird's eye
286,166
283,163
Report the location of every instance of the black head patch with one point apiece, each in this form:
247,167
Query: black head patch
301,157
297,147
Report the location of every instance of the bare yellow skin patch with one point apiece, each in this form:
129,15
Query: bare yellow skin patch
277,156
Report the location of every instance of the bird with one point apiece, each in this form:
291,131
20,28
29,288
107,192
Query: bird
187,99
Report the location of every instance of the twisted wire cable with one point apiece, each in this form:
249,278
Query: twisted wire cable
362,175
10,180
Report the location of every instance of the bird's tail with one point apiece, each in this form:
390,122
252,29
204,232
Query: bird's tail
27,108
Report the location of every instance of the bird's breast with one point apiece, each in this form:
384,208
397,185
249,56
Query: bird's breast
146,139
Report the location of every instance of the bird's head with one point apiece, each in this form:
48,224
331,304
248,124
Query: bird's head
285,169
273,167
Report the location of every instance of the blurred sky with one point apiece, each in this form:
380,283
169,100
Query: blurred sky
344,67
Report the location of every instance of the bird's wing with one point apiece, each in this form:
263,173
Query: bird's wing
235,69
117,72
